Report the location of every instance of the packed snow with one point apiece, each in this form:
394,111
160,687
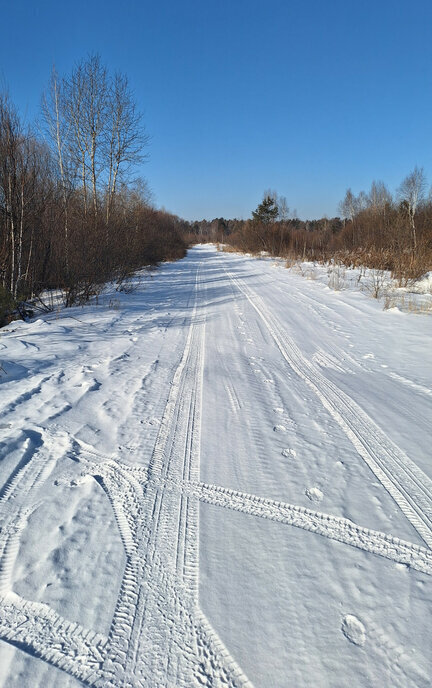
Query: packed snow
221,478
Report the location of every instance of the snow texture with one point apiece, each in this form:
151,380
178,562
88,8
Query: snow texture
354,630
222,481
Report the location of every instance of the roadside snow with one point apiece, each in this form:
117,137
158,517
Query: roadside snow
406,296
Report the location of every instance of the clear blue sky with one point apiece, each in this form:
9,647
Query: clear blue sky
306,98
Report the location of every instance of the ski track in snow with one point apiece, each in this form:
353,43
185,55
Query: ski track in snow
159,636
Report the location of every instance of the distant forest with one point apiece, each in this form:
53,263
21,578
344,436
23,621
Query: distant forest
375,229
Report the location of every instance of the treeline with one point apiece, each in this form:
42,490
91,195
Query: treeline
211,230
375,229
72,213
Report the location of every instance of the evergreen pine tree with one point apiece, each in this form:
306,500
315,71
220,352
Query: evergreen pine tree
267,211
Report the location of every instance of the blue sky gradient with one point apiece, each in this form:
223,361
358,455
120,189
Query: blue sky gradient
306,98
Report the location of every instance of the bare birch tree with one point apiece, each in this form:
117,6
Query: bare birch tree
10,134
126,138
23,163
411,193
96,116
379,196
58,129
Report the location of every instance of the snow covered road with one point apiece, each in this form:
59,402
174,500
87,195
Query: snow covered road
221,479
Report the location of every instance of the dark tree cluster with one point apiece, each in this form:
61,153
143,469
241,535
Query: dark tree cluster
72,213
215,231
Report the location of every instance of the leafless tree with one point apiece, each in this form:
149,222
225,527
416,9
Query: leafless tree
94,123
348,207
84,102
379,196
411,193
125,136
10,154
283,208
58,129
23,165
72,215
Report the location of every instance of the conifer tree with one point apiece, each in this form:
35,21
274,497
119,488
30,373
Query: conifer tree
267,211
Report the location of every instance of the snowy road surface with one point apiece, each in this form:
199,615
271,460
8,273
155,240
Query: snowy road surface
221,479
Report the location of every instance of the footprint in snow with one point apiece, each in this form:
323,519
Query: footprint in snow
153,421
354,630
314,494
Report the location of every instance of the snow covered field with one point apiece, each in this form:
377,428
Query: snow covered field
220,479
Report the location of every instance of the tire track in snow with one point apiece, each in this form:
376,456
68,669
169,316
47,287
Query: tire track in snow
332,527
420,389
410,488
29,394
17,498
33,626
176,451
37,628
157,636
335,356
